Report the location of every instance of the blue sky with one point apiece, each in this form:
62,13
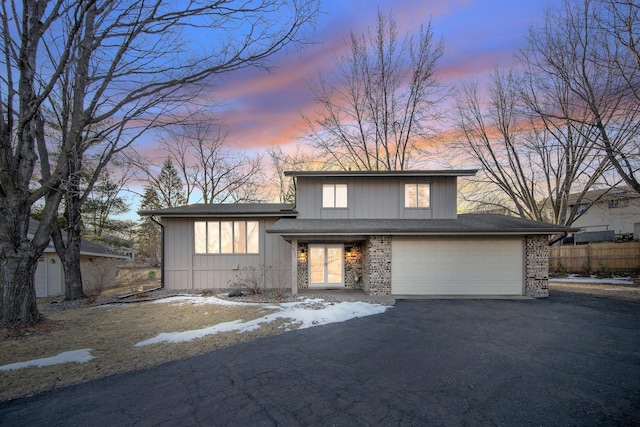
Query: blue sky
262,109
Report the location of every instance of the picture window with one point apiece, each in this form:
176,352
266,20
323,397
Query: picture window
226,237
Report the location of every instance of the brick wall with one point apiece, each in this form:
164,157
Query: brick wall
537,266
353,266
303,266
377,265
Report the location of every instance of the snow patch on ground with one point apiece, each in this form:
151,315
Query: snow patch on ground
573,278
200,300
304,314
75,356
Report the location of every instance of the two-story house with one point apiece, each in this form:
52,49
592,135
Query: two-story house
613,210
387,233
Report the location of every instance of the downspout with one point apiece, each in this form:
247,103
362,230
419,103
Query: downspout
161,250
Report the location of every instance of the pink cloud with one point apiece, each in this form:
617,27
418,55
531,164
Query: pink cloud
262,109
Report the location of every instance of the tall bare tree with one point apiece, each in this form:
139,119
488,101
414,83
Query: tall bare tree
379,111
208,165
281,162
532,161
129,60
622,22
591,47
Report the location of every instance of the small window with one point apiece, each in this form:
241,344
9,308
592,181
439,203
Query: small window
227,237
334,195
618,203
417,195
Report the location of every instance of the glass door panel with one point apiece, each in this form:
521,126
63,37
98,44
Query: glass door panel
326,266
316,265
334,266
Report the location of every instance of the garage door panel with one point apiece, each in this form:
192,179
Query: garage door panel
457,267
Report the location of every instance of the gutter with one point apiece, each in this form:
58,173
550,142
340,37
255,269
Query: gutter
161,250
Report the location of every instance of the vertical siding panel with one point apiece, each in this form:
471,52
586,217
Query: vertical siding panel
376,198
186,270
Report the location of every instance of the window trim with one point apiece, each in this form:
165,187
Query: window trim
417,193
235,227
333,187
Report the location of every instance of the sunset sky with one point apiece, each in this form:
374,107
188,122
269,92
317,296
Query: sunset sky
262,109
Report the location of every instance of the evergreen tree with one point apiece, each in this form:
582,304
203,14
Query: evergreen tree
168,186
148,238
102,204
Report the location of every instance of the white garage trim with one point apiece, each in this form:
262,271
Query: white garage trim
457,267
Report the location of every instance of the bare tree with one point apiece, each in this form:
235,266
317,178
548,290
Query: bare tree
622,22
208,165
379,112
591,46
126,60
533,162
281,162
105,201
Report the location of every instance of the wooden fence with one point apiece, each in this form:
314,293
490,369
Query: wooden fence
596,257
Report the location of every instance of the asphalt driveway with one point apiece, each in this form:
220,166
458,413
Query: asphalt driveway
566,360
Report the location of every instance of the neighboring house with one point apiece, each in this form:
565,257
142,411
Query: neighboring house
615,209
97,263
387,233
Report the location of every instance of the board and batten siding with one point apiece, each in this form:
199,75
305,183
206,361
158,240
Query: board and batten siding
184,269
376,198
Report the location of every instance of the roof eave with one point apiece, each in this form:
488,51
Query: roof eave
420,233
403,173
283,214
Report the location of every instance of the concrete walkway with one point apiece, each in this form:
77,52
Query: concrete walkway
347,295
566,360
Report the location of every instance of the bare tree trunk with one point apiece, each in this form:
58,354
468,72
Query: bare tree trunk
19,255
17,266
72,273
70,257
18,301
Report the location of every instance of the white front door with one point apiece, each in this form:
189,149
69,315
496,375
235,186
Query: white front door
326,266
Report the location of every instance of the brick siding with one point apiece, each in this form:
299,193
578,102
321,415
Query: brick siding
377,265
537,266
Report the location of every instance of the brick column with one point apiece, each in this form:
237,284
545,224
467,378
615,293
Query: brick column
537,266
353,266
303,266
377,265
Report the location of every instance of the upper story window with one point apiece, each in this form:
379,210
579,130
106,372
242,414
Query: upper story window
417,195
334,195
226,237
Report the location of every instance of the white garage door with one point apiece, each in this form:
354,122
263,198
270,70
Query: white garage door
457,267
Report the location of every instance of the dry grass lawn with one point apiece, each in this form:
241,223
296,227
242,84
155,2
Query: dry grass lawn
111,333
